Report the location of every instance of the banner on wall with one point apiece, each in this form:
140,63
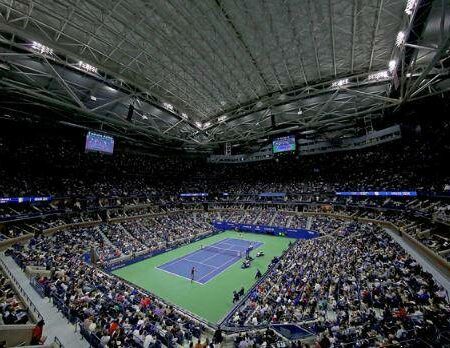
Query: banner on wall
378,193
287,232
195,194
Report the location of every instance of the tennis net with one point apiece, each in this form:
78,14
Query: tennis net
235,253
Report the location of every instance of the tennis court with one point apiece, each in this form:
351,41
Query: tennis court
213,299
209,261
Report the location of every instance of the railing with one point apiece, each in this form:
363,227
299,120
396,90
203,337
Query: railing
292,201
184,312
65,310
31,307
91,338
412,342
57,343
38,287
121,262
225,320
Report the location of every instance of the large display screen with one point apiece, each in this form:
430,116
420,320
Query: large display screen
99,143
6,200
284,144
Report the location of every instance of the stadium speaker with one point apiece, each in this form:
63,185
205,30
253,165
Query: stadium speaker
272,121
130,112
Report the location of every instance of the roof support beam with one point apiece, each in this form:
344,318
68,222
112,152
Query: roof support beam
242,42
64,84
439,54
425,85
63,27
373,96
311,27
330,9
97,28
296,39
322,108
355,15
172,126
374,33
114,101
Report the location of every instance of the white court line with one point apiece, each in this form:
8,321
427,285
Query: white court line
186,258
173,262
191,261
181,258
215,268
179,275
241,248
239,241
240,244
207,274
234,247
234,261
209,257
203,264
227,244
225,268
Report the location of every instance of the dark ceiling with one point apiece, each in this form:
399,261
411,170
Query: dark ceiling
202,73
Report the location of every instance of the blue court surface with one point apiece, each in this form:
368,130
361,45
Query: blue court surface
210,260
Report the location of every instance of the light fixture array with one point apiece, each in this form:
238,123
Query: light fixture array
410,8
40,48
340,83
87,67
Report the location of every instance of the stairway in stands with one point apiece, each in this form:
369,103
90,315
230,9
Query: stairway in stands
309,222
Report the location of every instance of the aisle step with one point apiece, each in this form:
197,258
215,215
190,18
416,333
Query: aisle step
56,325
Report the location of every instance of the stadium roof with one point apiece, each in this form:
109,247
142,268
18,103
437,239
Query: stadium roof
201,73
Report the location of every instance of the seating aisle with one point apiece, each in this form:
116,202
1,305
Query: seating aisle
56,325
424,262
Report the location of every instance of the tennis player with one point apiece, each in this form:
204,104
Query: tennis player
193,271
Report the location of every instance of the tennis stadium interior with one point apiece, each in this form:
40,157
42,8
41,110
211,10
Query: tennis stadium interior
224,173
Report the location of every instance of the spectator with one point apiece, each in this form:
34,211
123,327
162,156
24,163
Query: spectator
36,336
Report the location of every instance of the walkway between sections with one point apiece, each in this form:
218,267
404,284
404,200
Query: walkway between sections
56,325
424,262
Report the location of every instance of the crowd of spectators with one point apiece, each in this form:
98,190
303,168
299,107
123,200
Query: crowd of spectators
121,239
149,237
354,283
342,283
359,286
325,224
12,309
430,233
179,228
14,231
50,251
113,312
298,221
434,236
425,230
41,165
